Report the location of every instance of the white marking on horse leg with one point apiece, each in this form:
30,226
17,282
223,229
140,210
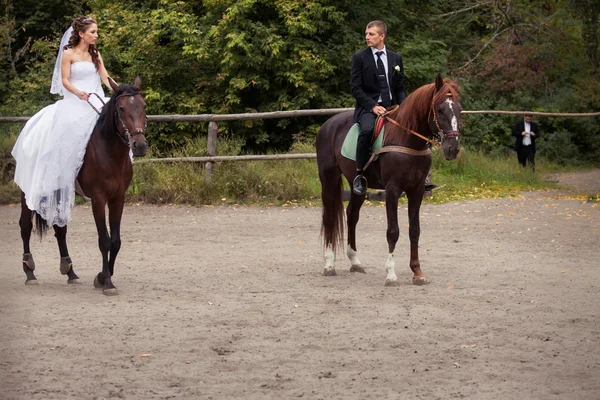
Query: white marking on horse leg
390,266
329,257
353,256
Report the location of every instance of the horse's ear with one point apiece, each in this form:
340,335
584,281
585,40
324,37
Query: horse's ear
138,82
113,84
457,81
439,82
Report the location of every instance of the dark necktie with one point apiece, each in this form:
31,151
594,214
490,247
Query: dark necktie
384,89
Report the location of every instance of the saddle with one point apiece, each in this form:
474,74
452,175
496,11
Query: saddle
380,122
349,146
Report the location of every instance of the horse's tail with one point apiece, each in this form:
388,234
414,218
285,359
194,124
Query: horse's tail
41,225
332,227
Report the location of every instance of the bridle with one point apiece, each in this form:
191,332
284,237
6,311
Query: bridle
138,131
127,136
440,135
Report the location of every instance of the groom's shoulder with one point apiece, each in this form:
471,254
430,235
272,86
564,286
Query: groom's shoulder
393,53
364,52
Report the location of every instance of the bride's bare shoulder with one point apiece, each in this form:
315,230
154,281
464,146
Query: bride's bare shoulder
68,54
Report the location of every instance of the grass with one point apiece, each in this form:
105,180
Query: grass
473,175
269,182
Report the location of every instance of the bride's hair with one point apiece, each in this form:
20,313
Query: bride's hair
80,24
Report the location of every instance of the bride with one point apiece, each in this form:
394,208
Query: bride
50,148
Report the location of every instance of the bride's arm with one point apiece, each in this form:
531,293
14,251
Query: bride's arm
65,69
104,74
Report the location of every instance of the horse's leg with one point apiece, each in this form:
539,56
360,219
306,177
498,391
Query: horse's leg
103,279
352,215
332,218
115,212
66,265
414,231
26,224
393,232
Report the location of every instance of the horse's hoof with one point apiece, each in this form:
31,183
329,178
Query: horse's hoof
28,262
110,292
392,283
74,282
65,265
31,282
329,272
358,268
419,281
97,284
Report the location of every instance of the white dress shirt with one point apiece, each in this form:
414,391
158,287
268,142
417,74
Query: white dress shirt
527,137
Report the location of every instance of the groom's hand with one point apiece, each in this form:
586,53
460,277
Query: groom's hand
378,110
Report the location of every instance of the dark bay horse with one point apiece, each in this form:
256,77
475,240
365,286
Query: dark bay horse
432,110
104,177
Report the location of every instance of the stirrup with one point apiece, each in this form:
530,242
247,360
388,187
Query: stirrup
359,180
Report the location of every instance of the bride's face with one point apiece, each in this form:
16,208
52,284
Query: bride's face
90,35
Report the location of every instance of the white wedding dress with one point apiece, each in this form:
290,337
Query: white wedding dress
49,151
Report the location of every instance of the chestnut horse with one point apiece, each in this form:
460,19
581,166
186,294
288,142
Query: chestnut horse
402,166
104,177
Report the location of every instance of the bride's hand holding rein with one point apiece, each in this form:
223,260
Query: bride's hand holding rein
83,96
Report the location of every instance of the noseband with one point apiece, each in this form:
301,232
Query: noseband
127,136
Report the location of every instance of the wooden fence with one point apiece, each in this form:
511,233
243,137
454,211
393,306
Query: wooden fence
213,129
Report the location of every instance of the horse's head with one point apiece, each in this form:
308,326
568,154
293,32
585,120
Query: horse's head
445,116
131,116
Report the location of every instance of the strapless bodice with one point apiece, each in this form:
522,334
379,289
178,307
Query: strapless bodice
85,77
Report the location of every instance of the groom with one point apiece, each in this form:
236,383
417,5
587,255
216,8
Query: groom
377,82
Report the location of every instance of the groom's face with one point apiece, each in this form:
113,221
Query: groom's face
373,37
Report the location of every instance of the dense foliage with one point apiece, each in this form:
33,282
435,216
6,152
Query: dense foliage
234,56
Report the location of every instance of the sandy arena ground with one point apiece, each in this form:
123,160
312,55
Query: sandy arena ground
229,302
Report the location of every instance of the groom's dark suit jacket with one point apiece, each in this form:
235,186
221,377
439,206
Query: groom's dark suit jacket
365,85
519,128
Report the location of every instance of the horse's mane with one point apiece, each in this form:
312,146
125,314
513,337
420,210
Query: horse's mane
107,121
416,107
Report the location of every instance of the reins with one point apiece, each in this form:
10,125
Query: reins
401,149
411,131
99,98
407,150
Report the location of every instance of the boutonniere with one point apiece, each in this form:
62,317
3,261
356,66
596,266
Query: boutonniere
397,68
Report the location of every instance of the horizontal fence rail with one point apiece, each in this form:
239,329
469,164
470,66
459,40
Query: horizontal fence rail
213,128
299,156
306,113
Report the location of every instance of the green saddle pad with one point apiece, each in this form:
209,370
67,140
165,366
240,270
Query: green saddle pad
349,146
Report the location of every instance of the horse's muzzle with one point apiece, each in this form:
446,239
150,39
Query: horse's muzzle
139,147
451,145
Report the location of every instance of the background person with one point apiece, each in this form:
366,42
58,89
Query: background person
526,132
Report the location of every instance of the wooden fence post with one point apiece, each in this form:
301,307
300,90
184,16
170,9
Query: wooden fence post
211,146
